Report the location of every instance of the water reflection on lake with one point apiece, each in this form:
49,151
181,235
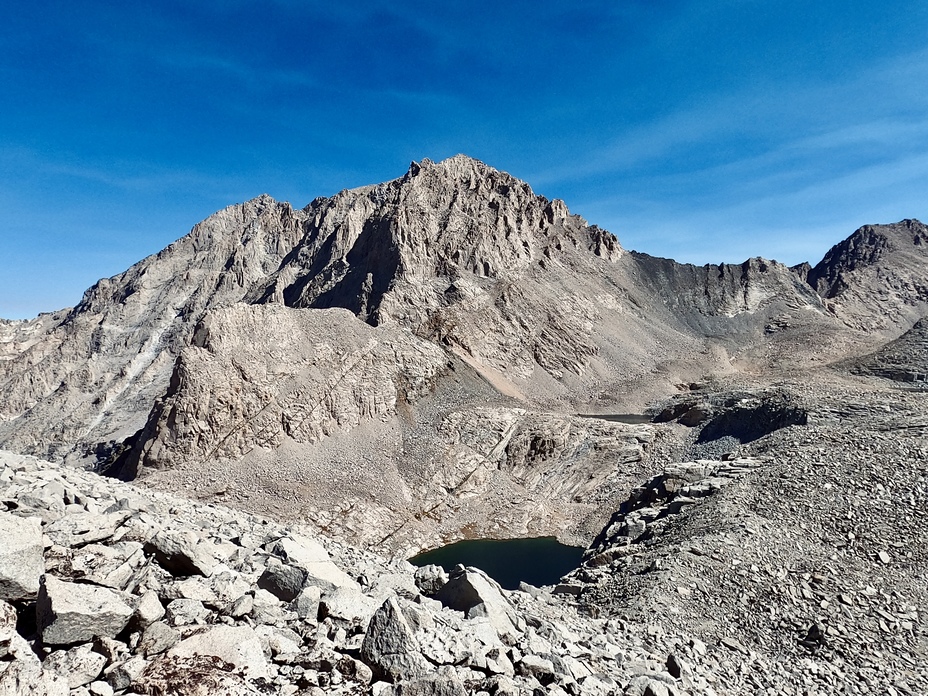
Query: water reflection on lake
539,561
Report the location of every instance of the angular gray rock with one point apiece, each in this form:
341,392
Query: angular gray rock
148,609
22,562
182,553
69,613
645,685
27,677
432,685
306,604
430,579
310,556
283,580
471,591
157,638
8,621
84,528
390,648
79,665
538,667
348,605
183,612
122,675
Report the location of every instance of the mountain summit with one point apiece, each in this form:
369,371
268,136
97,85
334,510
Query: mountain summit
461,254
448,355
268,333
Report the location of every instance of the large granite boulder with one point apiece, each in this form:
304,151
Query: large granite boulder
21,559
390,648
473,592
69,613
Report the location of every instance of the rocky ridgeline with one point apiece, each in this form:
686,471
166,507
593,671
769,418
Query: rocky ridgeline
396,366
257,376
544,306
875,277
653,505
108,589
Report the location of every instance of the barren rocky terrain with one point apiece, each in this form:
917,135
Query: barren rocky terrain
305,398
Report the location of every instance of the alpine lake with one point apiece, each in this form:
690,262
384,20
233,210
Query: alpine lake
538,561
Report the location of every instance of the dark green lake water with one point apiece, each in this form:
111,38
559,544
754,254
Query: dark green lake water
540,561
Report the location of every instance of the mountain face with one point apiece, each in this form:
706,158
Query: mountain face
92,374
875,279
426,325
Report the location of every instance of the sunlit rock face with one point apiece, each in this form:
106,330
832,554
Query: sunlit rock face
402,362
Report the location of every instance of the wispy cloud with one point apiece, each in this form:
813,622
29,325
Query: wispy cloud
247,74
785,176
880,106
124,176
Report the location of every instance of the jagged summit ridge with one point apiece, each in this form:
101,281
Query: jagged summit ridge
403,365
864,248
455,218
876,276
380,251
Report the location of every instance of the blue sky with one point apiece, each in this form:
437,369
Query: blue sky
703,130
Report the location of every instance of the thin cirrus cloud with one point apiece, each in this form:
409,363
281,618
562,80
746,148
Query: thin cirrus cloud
786,172
791,224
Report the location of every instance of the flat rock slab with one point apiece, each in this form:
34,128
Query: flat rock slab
21,560
69,612
309,555
348,605
200,675
84,528
432,685
237,645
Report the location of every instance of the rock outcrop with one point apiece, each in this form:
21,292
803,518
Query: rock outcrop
902,360
256,376
81,378
875,279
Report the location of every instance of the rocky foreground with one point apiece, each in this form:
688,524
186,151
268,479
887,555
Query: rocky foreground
110,589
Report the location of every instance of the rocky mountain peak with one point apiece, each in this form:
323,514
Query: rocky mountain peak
865,247
545,307
441,222
876,274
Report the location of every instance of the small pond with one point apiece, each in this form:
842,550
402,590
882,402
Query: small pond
630,418
540,561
